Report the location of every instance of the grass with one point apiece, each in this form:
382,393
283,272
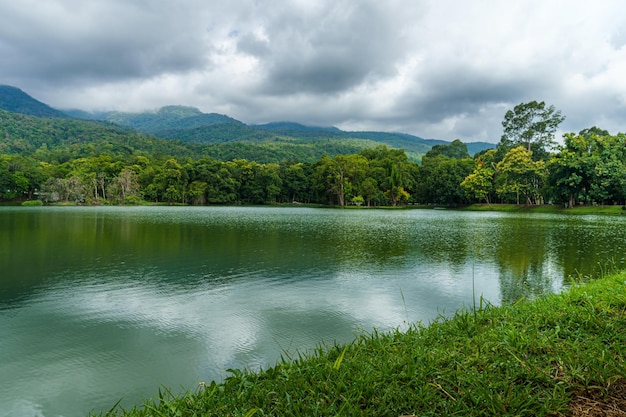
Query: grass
616,210
559,355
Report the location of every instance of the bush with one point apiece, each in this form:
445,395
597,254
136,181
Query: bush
32,203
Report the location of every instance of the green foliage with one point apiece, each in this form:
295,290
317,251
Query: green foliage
32,203
90,162
456,150
60,140
169,118
519,175
589,169
480,182
531,125
441,178
188,124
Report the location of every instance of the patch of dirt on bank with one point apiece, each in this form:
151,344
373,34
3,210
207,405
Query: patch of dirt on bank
595,403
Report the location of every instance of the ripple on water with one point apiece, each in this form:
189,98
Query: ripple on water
117,302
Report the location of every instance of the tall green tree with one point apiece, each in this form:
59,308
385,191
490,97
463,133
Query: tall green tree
392,172
480,183
589,168
609,184
531,125
440,180
571,170
340,176
296,183
456,149
125,186
519,175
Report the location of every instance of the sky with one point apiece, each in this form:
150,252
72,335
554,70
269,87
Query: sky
443,69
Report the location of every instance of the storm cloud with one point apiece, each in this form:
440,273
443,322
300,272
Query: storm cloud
438,69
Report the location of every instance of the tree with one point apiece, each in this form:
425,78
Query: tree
531,125
358,200
390,170
296,180
369,190
125,185
196,192
594,130
456,149
480,183
609,184
589,168
341,175
519,174
571,170
168,184
441,178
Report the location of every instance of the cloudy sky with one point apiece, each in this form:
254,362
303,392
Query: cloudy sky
440,69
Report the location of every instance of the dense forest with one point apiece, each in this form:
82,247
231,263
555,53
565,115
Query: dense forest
74,161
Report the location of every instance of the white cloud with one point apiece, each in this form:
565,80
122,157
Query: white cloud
443,69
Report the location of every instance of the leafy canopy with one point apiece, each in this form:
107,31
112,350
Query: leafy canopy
531,125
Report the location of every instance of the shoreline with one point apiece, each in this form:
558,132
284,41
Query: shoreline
562,354
509,208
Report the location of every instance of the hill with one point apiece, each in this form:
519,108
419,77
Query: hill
221,136
190,125
15,100
229,138
168,118
63,139
55,139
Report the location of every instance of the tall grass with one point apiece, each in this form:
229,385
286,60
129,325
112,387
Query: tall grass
536,358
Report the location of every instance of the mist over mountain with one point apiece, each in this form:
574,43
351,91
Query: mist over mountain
189,124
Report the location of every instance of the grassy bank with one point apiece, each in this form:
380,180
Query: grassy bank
616,210
560,355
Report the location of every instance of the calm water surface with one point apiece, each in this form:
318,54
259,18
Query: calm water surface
98,304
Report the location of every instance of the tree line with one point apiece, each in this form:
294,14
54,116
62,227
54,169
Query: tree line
378,176
527,167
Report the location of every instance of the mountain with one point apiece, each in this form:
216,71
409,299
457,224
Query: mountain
224,137
165,119
62,139
85,115
57,140
15,100
191,125
291,126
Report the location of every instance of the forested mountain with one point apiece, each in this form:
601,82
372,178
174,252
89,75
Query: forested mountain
191,125
221,136
15,100
64,139
57,139
168,118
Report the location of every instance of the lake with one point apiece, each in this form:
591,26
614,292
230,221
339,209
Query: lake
98,304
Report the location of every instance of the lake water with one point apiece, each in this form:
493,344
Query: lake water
98,304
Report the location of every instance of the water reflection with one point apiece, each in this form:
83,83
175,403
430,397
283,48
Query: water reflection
111,302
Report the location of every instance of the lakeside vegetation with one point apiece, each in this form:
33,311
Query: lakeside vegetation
95,163
593,209
563,354
214,159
